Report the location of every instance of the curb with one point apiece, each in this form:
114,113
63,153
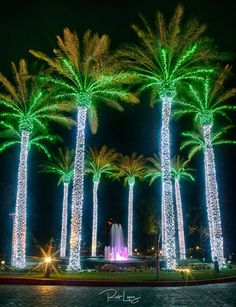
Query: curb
71,282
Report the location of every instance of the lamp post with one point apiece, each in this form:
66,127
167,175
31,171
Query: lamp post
158,238
47,268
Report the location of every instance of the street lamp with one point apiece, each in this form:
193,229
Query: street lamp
47,261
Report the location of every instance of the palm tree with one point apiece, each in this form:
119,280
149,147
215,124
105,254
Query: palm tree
153,172
167,57
205,139
62,166
85,74
130,168
26,113
98,162
180,172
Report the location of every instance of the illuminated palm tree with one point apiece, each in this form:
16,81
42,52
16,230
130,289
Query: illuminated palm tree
153,172
205,139
180,172
62,166
85,74
168,56
131,169
98,163
25,114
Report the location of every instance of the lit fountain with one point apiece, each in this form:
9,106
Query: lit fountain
117,250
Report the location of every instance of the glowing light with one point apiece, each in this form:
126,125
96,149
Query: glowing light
19,224
64,221
212,199
95,218
119,257
2,262
77,193
168,226
130,218
180,220
48,259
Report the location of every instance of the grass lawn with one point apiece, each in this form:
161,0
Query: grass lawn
129,276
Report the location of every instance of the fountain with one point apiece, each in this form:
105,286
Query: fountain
117,250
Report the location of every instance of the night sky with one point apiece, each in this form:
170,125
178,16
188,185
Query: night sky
35,26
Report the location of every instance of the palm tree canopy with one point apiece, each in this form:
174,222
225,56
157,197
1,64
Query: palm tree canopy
10,136
100,161
61,165
130,168
180,171
207,99
25,105
153,172
87,73
168,53
194,140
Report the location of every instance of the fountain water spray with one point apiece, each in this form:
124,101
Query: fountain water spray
117,250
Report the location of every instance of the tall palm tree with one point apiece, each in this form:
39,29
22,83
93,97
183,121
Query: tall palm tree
180,171
204,140
26,111
85,74
168,56
62,166
99,162
130,168
206,102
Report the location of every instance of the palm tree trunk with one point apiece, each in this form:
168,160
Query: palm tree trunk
130,220
212,199
77,193
182,250
168,231
95,218
19,224
64,221
163,223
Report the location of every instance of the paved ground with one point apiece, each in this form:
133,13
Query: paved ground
220,295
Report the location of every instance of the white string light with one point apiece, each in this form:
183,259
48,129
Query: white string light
130,219
182,250
64,221
77,193
212,199
95,218
168,231
19,225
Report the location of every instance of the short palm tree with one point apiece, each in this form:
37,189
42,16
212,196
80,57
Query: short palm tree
62,166
204,140
168,56
153,171
99,162
25,114
84,74
180,172
130,168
